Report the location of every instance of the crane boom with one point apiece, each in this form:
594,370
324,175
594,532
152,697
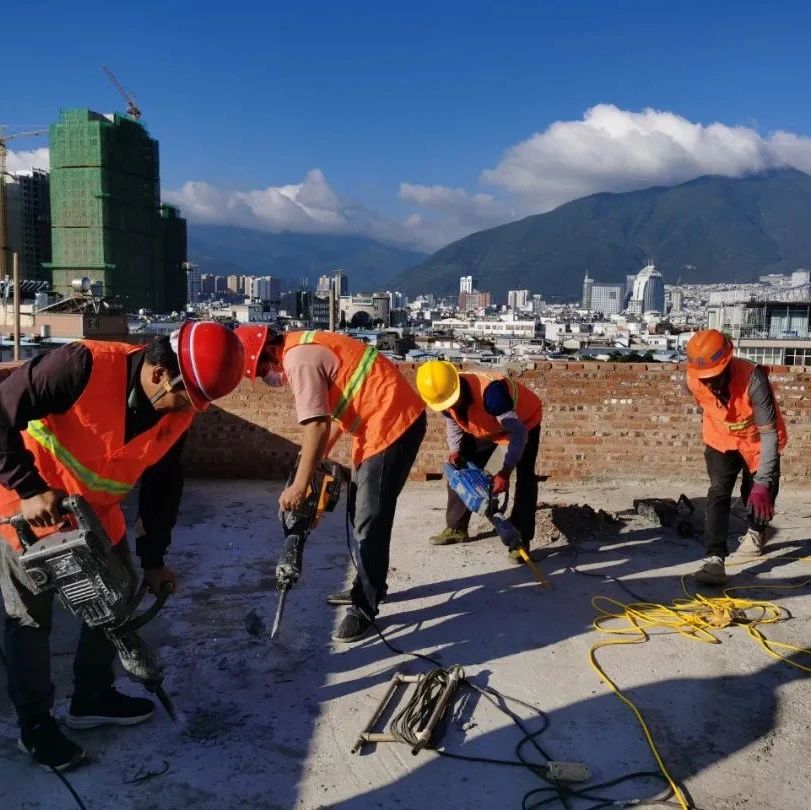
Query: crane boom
132,108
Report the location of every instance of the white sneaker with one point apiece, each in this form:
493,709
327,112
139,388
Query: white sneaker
752,543
712,572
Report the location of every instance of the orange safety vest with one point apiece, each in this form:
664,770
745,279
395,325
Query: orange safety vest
484,425
83,452
732,426
370,399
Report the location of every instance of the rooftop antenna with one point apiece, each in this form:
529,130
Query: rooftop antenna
133,110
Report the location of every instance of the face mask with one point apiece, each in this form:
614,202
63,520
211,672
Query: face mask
274,379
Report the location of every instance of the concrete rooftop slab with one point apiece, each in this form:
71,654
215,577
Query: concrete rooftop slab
270,724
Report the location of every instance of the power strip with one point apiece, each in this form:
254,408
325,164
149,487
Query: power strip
568,771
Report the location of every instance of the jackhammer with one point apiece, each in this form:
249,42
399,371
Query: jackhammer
475,489
94,584
323,495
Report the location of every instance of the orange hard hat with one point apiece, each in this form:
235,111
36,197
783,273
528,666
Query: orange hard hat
708,354
254,337
211,360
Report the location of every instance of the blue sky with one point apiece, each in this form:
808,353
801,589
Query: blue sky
249,98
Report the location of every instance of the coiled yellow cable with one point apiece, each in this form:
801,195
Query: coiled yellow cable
695,617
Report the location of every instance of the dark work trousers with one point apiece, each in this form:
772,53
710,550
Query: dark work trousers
478,452
723,469
27,648
372,501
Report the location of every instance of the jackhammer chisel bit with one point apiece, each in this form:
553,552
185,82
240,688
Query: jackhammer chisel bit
323,495
288,571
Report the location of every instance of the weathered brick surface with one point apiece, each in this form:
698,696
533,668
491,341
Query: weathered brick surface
602,421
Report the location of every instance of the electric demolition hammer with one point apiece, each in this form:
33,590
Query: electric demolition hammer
323,495
94,584
475,489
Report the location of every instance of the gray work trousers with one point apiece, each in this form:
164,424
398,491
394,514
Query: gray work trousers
372,501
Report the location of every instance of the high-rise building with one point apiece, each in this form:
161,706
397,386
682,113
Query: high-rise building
208,282
585,297
649,291
517,299
466,284
236,285
220,285
607,298
341,283
107,221
266,288
28,223
170,280
194,284
676,300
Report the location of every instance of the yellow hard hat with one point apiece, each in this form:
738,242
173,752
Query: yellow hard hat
438,384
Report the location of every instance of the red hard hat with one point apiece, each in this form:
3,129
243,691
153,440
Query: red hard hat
211,359
253,337
708,354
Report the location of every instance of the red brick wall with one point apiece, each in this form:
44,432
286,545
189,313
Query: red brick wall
602,421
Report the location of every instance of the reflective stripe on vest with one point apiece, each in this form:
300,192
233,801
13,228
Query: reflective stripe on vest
45,437
356,380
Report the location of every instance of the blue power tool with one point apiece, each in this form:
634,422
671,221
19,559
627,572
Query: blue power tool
475,488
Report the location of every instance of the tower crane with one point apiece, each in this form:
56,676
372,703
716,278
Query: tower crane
4,139
133,110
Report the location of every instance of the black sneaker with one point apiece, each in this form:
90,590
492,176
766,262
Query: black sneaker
110,708
45,743
344,598
353,627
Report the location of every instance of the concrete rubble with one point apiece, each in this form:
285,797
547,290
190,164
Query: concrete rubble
270,725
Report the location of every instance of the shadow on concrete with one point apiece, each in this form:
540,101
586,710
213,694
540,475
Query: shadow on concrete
681,712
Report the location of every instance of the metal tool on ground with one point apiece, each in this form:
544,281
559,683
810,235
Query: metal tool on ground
416,723
323,496
475,488
94,584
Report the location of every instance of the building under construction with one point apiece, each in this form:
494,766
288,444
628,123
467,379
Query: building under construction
107,221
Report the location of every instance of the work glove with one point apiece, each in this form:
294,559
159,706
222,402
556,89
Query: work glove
456,461
760,505
501,482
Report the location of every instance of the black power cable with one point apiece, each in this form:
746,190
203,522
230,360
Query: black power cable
563,793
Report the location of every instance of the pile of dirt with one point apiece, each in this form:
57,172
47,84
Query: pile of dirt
573,523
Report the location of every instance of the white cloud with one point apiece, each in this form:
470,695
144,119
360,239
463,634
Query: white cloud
609,149
24,161
311,206
617,150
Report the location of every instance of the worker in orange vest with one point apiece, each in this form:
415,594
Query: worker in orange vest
482,411
91,418
744,432
342,385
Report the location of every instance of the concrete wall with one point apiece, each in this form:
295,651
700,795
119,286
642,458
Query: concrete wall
602,421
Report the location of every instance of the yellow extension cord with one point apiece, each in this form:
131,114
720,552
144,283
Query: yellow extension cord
694,617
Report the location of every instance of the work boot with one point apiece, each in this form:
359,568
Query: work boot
45,743
345,598
712,572
110,708
353,627
449,536
752,543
